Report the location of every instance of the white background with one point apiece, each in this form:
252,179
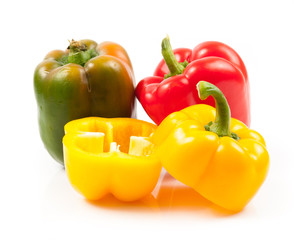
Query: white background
37,201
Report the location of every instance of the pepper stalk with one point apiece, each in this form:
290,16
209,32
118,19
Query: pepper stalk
79,53
175,67
222,124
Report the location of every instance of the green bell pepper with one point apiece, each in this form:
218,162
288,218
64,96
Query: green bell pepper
85,80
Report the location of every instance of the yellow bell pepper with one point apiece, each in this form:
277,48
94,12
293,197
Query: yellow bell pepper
206,149
110,156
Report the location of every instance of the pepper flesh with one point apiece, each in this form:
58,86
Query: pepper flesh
110,156
171,90
88,79
226,171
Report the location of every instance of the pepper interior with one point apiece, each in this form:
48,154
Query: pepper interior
116,136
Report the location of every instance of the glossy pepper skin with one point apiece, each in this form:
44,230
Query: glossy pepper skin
110,156
218,156
88,79
172,87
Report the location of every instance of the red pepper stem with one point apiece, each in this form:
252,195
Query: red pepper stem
222,123
173,65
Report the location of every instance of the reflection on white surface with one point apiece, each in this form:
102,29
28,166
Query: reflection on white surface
169,196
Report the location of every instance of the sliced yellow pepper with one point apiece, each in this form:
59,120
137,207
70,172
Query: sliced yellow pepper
110,156
218,156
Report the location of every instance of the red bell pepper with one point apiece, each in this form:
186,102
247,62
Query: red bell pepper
173,86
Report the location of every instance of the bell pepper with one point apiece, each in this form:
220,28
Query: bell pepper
110,156
216,155
173,86
88,79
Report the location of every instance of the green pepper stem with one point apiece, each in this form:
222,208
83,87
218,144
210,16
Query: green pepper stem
222,123
78,53
175,68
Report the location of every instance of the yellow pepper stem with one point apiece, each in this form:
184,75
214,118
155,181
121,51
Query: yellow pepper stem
222,124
